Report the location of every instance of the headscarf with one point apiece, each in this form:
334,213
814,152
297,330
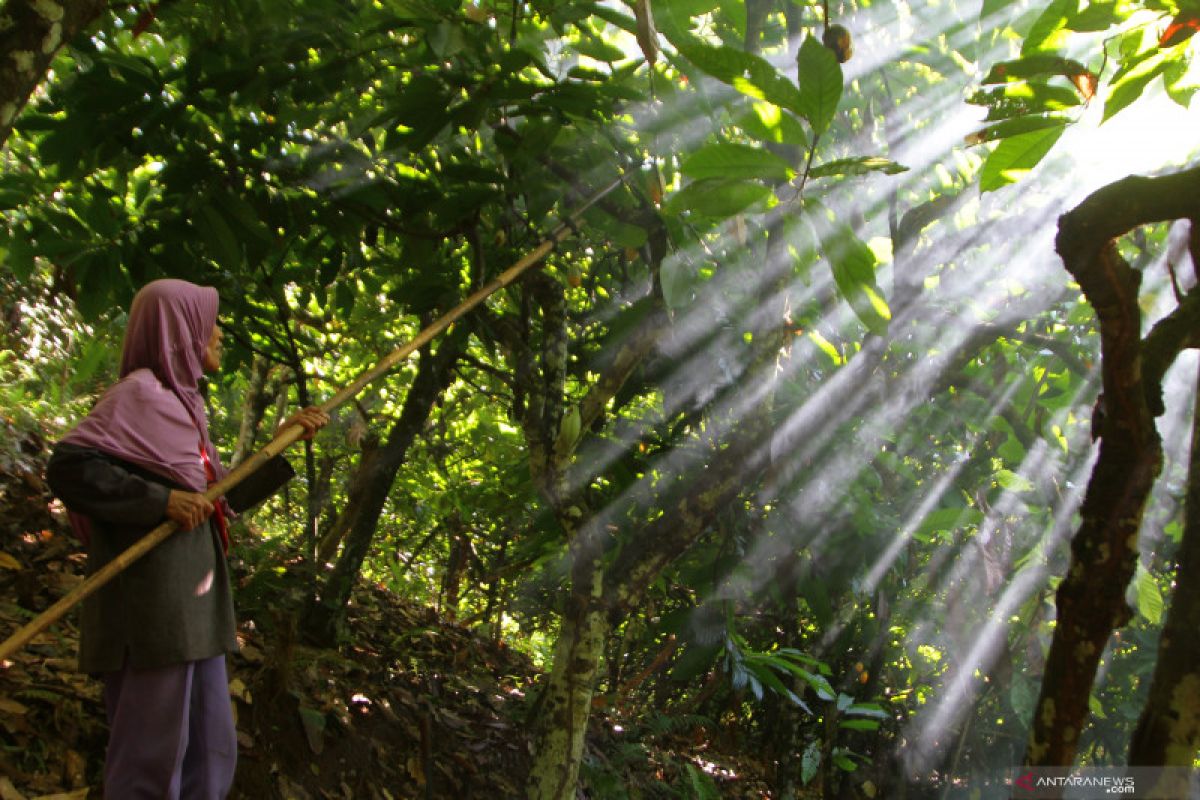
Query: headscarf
154,416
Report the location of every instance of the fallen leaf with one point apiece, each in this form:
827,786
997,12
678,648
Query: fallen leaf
8,791
252,654
78,794
74,769
314,728
11,707
414,770
8,562
239,691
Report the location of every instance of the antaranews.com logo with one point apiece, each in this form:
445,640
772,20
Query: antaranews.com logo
1107,784
1096,783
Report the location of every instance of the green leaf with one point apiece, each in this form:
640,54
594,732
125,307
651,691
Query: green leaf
770,123
873,710
313,723
94,273
859,724
761,669
810,761
696,660
820,77
729,160
1041,65
819,683
1049,29
446,39
1149,598
218,238
1007,479
859,165
600,50
1131,85
1012,127
673,17
750,74
844,763
735,12
703,787
853,264
247,217
678,279
343,298
814,590
1016,156
622,234
16,190
716,197
1023,697
1096,707
947,519
1180,84
991,8
1020,98
1097,16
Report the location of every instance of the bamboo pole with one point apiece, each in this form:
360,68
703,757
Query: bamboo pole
289,436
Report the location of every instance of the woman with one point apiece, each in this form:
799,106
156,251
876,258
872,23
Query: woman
158,632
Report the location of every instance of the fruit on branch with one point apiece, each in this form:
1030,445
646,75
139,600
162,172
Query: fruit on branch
837,39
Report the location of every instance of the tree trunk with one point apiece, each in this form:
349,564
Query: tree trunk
326,614
1168,732
561,729
259,395
1091,598
31,34
356,491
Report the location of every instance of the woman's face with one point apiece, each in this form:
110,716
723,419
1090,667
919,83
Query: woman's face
212,350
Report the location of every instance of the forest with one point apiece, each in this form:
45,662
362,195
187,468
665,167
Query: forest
839,441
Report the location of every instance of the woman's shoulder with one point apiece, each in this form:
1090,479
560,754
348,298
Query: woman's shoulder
137,394
141,383
142,379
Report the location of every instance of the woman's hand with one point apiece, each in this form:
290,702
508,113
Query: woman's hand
312,419
188,509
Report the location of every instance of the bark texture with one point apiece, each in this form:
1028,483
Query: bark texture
1168,732
31,34
561,730
377,473
1091,598
260,394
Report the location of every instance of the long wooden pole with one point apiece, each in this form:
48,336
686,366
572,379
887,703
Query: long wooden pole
290,435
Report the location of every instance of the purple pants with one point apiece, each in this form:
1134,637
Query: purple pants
172,735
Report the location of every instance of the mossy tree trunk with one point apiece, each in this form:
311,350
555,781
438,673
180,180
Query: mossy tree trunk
560,731
31,34
1091,598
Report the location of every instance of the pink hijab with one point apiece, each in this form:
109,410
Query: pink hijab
154,416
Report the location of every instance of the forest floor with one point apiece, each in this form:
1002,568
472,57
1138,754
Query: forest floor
416,707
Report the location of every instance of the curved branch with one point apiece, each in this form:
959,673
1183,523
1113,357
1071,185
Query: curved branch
1091,597
1169,337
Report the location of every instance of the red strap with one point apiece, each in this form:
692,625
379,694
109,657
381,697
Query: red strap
218,509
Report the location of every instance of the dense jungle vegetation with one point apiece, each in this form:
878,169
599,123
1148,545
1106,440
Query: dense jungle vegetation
845,448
